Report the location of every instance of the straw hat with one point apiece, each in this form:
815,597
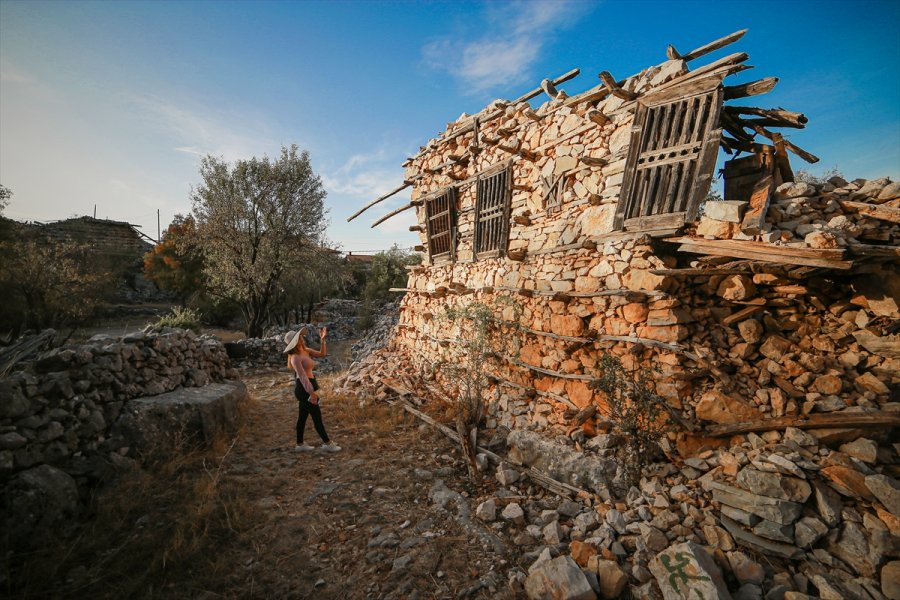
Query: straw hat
292,339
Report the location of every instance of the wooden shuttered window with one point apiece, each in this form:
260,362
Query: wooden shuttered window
492,214
674,144
440,217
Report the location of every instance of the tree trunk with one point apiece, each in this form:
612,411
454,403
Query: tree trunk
467,448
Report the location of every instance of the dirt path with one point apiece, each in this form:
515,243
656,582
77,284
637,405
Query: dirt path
359,523
391,516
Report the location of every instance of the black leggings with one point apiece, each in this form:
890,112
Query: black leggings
307,408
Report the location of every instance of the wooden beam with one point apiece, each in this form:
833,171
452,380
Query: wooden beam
714,45
813,257
396,212
405,185
831,420
789,118
876,211
810,158
755,218
614,88
753,88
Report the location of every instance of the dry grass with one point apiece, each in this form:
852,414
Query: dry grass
147,529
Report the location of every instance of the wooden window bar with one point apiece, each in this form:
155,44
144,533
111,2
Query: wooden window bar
440,218
492,214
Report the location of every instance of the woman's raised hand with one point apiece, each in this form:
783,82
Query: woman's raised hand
323,332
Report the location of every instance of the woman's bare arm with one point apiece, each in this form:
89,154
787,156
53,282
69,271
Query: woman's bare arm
322,351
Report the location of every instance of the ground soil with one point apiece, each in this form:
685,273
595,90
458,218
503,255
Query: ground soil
254,519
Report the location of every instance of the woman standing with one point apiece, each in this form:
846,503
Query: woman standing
301,363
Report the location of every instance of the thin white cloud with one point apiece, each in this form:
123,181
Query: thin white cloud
511,40
201,130
9,73
366,176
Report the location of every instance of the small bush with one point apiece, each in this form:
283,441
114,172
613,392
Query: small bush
181,318
635,410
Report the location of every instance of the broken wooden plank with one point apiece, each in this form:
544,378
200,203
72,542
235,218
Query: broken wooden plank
810,158
741,315
887,345
405,185
697,272
754,88
874,250
876,211
813,257
713,45
755,218
813,421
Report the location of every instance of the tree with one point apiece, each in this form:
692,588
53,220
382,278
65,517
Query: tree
254,219
176,263
5,195
321,273
52,284
389,270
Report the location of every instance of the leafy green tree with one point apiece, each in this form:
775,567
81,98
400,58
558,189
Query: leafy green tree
320,274
389,270
255,218
175,264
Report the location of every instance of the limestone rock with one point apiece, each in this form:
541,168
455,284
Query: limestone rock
736,287
890,580
686,570
558,579
514,513
610,576
861,449
847,481
774,485
725,210
886,490
487,511
720,408
808,531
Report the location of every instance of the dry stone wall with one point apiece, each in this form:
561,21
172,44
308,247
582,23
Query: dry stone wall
60,408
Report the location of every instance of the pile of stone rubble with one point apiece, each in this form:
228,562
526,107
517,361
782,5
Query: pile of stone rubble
834,214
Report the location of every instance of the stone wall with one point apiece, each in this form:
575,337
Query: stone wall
807,347
59,409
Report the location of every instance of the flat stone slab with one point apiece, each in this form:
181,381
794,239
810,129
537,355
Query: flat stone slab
165,423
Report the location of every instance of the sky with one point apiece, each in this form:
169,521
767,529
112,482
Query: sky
107,107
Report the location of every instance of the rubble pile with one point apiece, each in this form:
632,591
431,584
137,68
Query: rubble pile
834,214
380,333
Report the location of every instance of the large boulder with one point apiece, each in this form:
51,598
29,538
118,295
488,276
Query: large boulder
162,424
37,504
560,462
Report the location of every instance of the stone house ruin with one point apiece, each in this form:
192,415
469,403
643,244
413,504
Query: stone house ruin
775,307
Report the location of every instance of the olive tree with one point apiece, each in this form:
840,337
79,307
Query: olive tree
255,218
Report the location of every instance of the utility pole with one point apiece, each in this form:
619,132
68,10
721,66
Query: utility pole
158,236
95,211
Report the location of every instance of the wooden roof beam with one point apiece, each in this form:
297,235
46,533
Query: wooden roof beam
753,88
673,54
405,185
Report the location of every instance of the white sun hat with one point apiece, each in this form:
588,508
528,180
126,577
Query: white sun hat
292,339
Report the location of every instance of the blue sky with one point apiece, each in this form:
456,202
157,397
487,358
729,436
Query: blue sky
113,103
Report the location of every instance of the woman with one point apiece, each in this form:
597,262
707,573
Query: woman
301,363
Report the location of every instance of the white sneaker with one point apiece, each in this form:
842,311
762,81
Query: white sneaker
303,448
331,447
